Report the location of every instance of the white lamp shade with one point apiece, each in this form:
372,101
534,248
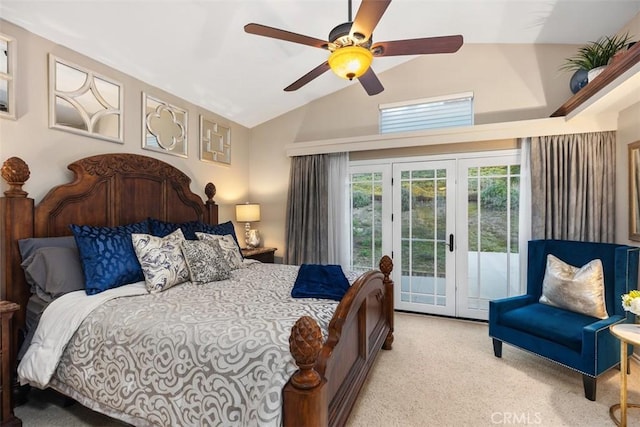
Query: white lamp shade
248,212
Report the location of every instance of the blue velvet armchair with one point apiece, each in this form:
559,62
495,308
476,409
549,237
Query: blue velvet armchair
575,340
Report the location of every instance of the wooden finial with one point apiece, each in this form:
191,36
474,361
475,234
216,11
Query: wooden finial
210,191
386,265
305,343
16,172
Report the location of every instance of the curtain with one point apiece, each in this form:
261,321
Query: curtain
338,210
524,214
636,199
573,187
307,211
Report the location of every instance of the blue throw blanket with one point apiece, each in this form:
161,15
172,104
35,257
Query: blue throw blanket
320,281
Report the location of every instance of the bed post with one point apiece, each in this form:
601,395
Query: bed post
16,222
386,265
305,395
210,204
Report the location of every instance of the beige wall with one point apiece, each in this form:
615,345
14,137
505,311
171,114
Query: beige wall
48,151
628,132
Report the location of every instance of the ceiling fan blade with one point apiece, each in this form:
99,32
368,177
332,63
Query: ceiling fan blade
275,33
368,16
308,77
444,44
370,82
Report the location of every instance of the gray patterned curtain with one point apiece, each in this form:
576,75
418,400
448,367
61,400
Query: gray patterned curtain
307,212
573,187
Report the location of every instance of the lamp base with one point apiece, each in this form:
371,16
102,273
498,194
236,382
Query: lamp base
252,239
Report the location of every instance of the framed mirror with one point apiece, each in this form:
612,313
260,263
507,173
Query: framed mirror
7,76
84,102
215,142
634,191
164,127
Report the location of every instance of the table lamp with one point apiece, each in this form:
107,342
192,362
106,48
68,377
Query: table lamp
248,213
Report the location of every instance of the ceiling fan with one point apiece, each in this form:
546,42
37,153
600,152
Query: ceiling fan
352,48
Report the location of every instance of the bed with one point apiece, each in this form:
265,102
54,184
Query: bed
333,346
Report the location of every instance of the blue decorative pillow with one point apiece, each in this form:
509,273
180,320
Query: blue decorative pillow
161,228
320,281
107,255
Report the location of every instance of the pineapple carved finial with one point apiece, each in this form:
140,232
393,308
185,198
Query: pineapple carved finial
16,172
305,343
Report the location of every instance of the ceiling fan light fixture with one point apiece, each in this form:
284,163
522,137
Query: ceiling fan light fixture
350,62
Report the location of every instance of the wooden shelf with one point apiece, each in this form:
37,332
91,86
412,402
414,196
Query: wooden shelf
624,70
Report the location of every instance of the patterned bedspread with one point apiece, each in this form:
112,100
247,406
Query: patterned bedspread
194,355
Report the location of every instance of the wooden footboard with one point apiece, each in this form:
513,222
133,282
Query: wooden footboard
324,389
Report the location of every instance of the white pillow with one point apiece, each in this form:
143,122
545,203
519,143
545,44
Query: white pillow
161,259
231,252
575,289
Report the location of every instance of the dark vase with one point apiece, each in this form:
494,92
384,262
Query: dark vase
578,80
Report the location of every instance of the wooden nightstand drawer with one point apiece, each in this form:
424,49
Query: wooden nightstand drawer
260,254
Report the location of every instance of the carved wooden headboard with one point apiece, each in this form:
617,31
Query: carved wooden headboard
107,190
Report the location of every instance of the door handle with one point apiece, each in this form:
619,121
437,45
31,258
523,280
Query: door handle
450,244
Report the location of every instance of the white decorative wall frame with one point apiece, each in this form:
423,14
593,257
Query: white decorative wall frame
215,142
164,127
84,102
7,76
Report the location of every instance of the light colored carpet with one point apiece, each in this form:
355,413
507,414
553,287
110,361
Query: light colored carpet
441,372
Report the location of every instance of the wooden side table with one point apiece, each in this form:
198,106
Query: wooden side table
627,333
6,410
265,255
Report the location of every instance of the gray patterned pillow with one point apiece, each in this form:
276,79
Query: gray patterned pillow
205,260
161,259
229,246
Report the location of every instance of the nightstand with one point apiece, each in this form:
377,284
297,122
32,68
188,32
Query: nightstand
7,309
260,254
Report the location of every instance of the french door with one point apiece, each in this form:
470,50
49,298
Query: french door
453,226
489,236
423,227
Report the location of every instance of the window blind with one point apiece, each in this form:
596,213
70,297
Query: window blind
430,113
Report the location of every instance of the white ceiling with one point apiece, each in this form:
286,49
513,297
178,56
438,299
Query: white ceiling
199,51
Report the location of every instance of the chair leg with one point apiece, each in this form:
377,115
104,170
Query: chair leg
497,348
589,387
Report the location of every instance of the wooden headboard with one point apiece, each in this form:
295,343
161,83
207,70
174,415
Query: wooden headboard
107,190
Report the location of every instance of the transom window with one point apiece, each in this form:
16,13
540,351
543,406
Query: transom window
427,113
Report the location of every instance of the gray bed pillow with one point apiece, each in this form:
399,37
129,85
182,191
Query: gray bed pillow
53,271
28,246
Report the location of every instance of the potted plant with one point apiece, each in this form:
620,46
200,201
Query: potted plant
594,56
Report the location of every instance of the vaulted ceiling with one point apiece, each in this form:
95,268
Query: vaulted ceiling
198,50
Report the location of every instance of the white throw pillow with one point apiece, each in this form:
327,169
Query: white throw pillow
161,259
576,289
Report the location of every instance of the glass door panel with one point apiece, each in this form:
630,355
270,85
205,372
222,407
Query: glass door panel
488,249
423,216
370,192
